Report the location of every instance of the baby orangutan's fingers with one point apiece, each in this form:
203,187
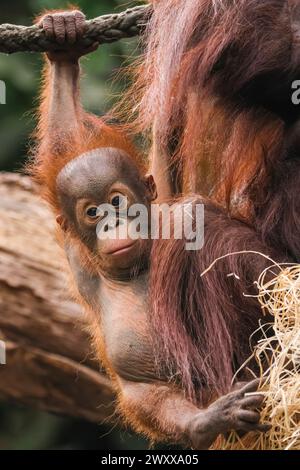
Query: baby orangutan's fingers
253,401
250,387
47,25
59,28
70,29
80,24
244,426
249,416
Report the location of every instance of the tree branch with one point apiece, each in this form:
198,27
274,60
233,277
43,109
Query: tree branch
105,29
49,360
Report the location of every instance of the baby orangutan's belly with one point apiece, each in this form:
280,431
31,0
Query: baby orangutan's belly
125,327
132,356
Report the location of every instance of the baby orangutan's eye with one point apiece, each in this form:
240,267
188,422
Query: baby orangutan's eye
119,201
92,212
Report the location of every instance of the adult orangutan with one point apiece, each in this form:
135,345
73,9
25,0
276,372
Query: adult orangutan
202,324
215,88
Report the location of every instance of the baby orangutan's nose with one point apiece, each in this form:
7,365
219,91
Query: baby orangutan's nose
112,225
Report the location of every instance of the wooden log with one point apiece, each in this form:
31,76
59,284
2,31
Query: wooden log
49,363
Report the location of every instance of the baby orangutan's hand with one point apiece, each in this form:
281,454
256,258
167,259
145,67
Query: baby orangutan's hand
232,412
66,28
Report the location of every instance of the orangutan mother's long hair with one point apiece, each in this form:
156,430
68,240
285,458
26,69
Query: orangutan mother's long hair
214,86
214,90
202,324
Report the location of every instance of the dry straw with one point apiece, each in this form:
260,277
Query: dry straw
278,358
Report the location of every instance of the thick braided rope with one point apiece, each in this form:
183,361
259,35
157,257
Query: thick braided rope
105,29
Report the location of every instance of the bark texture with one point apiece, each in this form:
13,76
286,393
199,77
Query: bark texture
49,363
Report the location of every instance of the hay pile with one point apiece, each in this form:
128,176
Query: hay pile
281,354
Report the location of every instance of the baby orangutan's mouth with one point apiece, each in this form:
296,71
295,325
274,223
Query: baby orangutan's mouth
121,247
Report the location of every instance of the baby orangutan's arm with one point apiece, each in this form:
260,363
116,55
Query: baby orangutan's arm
160,409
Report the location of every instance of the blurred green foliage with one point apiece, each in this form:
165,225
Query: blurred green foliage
21,428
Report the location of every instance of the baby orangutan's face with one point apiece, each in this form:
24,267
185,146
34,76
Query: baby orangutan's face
97,190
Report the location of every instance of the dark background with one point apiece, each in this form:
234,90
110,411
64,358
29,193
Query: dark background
23,428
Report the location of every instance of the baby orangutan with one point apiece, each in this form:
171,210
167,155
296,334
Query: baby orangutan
82,163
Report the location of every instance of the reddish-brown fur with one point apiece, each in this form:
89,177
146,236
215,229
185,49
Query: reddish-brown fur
201,324
53,153
215,82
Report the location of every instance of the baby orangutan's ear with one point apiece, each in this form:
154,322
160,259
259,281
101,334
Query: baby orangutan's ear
61,220
151,187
